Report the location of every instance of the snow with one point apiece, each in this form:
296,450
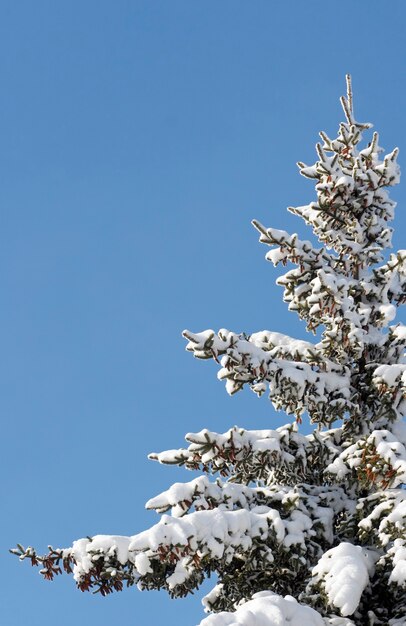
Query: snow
382,445
386,516
217,533
142,563
283,447
389,375
267,609
86,551
223,533
398,551
344,573
291,380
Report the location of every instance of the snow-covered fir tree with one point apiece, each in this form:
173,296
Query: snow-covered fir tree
299,529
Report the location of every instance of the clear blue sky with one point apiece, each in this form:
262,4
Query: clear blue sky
137,141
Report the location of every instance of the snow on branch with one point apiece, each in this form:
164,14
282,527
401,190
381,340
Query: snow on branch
378,459
292,249
311,501
342,574
268,609
388,282
175,552
317,386
352,208
381,517
237,527
390,380
274,456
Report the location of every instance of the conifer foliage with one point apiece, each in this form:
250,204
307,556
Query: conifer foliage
299,529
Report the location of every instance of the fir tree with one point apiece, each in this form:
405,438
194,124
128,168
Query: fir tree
299,529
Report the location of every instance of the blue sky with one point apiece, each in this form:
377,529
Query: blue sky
137,141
